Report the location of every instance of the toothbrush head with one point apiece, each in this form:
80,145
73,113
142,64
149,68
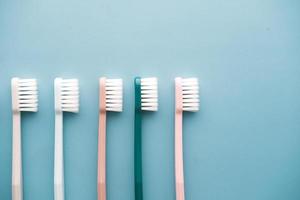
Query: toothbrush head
112,91
66,95
149,94
24,95
187,94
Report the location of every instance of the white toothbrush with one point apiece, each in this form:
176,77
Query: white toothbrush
186,99
66,100
24,98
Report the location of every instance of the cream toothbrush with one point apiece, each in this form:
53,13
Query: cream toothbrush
24,98
66,100
110,99
145,100
187,99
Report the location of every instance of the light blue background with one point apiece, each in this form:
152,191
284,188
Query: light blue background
244,144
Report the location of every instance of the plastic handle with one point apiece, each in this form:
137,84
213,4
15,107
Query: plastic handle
179,158
138,173
102,141
179,173
102,157
58,159
17,179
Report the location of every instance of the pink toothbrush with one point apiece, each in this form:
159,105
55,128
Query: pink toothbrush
110,99
187,99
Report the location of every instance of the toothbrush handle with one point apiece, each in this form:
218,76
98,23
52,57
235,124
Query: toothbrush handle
102,157
179,175
17,179
58,159
138,173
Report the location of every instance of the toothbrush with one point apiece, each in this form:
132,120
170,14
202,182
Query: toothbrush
24,98
110,99
187,99
146,99
66,100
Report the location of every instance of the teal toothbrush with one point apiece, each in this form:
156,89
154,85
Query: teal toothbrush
145,100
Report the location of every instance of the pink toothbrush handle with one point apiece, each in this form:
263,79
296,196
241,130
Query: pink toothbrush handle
102,157
179,158
102,144
179,174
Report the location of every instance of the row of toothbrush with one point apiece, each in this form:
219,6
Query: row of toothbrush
25,99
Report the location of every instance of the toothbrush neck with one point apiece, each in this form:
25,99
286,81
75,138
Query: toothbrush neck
102,111
179,110
16,111
58,111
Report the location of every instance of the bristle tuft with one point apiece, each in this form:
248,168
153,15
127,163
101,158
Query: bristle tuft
149,94
27,95
114,95
190,94
69,95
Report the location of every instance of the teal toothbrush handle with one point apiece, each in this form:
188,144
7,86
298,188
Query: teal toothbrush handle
138,173
138,177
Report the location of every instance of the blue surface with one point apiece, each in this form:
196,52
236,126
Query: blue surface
244,144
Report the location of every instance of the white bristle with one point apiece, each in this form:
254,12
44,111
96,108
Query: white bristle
149,96
25,97
190,94
68,95
114,95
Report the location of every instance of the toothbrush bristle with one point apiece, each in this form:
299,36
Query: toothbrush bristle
190,94
149,94
114,95
27,95
69,95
